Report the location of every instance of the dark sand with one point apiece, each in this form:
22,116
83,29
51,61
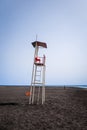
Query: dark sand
63,110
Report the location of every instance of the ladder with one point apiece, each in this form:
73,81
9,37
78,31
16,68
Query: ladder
37,88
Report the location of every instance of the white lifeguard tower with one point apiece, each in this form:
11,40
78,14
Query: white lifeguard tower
37,88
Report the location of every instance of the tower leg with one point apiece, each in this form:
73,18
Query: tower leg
30,98
43,87
33,94
38,98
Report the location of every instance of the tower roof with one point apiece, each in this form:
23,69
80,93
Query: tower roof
38,43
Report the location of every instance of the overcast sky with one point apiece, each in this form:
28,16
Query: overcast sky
62,24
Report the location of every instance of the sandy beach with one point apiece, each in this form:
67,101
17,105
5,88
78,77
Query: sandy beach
64,109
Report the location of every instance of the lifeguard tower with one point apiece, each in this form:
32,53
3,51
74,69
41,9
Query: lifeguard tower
37,88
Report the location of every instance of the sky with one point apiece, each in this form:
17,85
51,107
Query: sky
62,24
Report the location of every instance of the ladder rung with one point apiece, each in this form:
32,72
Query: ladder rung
38,80
36,83
38,73
38,70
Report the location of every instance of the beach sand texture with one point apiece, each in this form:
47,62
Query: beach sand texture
64,109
